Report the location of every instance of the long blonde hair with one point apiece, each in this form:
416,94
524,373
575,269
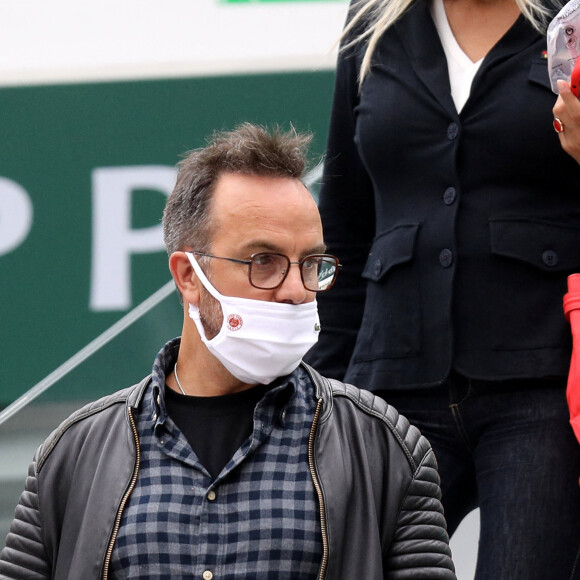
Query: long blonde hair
380,15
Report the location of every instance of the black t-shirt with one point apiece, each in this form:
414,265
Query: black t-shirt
215,427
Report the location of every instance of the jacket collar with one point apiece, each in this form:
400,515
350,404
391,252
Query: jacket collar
420,39
136,392
322,389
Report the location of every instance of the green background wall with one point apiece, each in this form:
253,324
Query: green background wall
51,140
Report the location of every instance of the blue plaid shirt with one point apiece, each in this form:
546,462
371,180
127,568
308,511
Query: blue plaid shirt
258,519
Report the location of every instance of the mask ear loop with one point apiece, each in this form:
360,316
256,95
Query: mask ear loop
194,312
200,274
575,77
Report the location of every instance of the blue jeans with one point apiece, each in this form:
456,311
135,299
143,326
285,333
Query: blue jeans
507,448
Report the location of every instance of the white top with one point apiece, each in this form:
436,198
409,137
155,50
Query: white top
461,68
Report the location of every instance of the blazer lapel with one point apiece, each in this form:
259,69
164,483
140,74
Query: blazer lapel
419,37
517,38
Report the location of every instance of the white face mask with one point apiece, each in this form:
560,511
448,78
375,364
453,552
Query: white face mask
259,340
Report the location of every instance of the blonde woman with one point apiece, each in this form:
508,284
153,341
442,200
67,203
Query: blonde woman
456,213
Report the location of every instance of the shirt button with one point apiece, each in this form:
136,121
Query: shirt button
550,258
159,400
154,416
449,196
211,495
446,258
452,131
207,575
377,267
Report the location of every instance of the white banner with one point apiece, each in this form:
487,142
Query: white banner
72,41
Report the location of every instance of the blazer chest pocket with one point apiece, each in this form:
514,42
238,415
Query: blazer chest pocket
391,325
539,73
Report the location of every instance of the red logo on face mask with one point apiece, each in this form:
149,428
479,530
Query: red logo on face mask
235,322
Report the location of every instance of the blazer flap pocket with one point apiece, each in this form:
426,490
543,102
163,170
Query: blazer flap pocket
539,73
546,245
389,249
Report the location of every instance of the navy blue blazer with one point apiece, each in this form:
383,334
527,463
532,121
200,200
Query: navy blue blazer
456,231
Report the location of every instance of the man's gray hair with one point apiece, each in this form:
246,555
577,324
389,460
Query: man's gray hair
247,150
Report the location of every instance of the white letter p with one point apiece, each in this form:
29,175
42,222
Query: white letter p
113,239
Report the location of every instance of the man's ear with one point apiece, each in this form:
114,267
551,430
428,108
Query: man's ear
185,277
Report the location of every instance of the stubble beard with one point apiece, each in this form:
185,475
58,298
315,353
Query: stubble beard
210,314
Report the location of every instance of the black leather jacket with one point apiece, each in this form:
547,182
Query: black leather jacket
380,509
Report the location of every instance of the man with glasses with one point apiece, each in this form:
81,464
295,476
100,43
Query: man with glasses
234,459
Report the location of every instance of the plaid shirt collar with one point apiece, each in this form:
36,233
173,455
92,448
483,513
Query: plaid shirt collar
281,394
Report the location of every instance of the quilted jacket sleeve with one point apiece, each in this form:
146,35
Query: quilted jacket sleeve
25,557
380,489
420,547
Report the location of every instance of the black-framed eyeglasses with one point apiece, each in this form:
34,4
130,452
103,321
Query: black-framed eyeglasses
268,270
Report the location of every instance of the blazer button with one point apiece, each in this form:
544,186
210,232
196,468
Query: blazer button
550,258
449,196
446,258
452,131
377,267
